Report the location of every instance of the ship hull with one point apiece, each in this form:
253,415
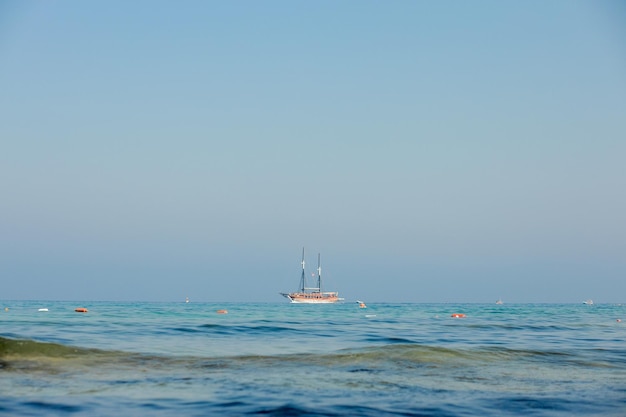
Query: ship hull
312,298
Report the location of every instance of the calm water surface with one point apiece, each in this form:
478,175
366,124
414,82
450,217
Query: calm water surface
162,359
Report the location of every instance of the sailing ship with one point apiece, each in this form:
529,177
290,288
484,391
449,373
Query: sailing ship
312,295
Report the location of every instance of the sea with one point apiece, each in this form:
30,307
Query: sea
282,359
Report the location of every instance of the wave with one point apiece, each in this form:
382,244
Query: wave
230,329
260,329
24,355
119,406
397,353
22,349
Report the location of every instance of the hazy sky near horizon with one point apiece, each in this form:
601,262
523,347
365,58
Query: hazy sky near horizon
441,151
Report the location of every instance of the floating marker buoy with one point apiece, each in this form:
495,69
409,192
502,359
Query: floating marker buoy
222,311
458,315
81,310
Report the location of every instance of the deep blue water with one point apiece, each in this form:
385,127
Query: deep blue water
164,359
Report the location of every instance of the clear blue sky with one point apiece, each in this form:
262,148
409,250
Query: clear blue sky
432,151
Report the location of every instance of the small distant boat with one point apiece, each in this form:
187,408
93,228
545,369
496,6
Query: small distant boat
312,295
588,302
43,309
500,301
361,304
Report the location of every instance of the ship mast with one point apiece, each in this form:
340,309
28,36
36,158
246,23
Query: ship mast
302,279
319,274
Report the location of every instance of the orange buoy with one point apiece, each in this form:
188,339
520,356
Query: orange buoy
458,315
81,310
222,311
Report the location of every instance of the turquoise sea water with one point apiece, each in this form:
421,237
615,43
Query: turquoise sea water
162,359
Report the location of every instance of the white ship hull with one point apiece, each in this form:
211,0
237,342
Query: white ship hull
313,298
